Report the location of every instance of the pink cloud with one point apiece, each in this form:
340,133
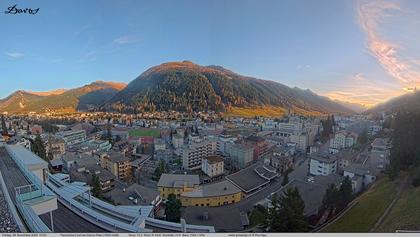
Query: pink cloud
371,13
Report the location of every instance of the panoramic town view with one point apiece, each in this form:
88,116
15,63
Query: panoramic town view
210,116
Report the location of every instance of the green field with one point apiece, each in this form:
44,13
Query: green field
405,215
144,133
371,205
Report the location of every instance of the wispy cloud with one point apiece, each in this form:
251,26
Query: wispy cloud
300,67
126,40
363,91
359,77
371,14
90,56
15,55
82,29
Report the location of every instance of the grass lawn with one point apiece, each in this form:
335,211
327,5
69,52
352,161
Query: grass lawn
405,215
363,216
144,132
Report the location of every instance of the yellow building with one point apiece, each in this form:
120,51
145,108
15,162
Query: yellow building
212,195
177,184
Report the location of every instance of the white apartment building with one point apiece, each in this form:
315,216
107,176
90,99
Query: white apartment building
73,136
322,164
178,140
221,143
213,166
159,144
341,140
193,155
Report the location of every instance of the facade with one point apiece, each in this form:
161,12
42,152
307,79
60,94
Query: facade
177,140
73,137
193,155
213,166
280,161
100,145
360,177
159,144
117,164
212,195
55,146
222,141
260,146
322,164
177,184
240,155
301,140
380,145
342,140
36,129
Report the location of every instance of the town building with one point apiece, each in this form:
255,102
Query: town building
177,184
223,139
380,145
322,164
55,146
360,176
341,140
213,166
301,139
73,137
259,145
178,140
117,164
160,144
280,160
239,154
193,155
212,195
36,130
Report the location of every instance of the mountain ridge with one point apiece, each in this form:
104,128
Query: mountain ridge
70,100
186,86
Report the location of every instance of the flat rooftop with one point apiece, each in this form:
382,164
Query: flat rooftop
222,188
247,179
27,158
178,180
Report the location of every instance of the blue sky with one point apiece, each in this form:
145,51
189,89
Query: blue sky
359,51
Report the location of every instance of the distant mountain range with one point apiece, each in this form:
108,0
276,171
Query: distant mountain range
180,86
92,95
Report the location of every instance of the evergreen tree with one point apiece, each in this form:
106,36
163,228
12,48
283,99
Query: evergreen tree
287,213
327,126
38,147
285,179
108,132
363,138
96,186
160,169
173,208
3,126
345,193
331,197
